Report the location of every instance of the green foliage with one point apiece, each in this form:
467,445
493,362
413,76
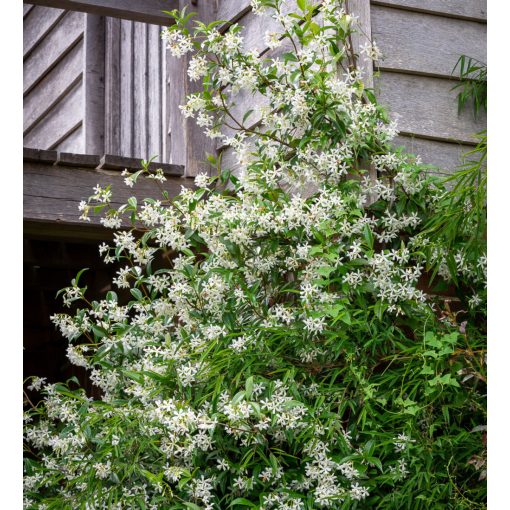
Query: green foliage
276,348
473,83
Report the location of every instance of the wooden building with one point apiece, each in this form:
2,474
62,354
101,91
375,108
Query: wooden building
100,93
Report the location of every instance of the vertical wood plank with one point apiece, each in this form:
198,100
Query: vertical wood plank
197,144
363,35
154,94
126,88
93,81
140,91
112,80
165,118
175,79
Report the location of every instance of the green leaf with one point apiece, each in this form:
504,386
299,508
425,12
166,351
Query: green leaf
325,270
242,501
249,387
246,115
137,294
187,504
426,370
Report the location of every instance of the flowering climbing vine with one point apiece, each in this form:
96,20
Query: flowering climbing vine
283,345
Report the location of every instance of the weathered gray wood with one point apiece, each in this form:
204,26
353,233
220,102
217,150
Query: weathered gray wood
146,11
26,9
112,86
232,10
116,162
60,121
52,49
362,36
154,93
165,119
76,159
196,143
426,106
424,43
52,193
39,155
176,131
113,162
255,27
443,155
126,87
65,75
36,24
94,92
140,91
73,142
464,9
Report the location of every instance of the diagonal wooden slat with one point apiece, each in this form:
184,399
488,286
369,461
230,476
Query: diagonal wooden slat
146,11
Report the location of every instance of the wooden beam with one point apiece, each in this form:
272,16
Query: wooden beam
146,11
54,183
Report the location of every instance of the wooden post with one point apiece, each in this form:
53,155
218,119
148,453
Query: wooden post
93,82
362,36
188,144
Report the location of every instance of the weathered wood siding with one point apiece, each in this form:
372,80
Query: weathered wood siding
135,90
55,182
53,78
94,85
421,42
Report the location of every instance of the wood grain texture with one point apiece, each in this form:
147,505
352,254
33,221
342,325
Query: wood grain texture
423,43
63,119
27,8
36,24
154,93
197,145
73,142
93,82
39,155
114,162
78,159
112,117
146,11
176,131
463,9
361,36
140,114
427,107
232,10
255,27
165,119
65,75
126,87
52,193
52,49
446,157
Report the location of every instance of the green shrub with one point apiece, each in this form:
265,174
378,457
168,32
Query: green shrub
287,355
